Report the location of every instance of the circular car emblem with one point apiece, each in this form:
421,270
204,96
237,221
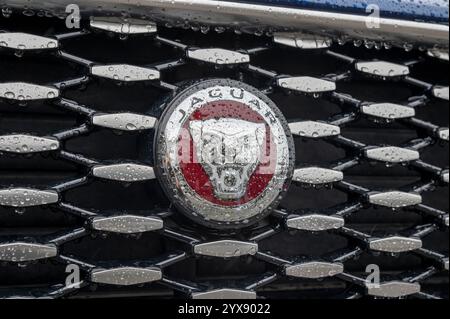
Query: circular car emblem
224,153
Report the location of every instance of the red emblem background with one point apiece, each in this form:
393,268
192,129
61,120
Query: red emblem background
194,173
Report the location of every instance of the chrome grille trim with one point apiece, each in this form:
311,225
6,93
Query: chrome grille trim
224,294
125,72
125,172
126,276
388,111
439,54
313,129
315,222
306,84
395,199
25,41
218,56
314,270
317,175
382,68
27,197
123,26
302,41
127,224
443,133
20,91
394,289
441,92
27,144
445,176
22,251
226,249
392,154
395,244
124,121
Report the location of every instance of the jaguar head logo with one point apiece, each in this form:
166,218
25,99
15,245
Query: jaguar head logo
229,150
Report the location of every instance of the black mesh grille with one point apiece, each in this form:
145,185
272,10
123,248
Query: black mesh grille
82,196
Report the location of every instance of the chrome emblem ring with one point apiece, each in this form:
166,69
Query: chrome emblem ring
224,153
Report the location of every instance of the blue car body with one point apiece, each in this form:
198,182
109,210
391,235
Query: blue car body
435,11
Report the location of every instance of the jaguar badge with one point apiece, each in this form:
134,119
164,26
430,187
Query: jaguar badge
224,154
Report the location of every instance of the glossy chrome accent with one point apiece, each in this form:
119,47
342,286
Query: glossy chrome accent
439,54
19,91
125,72
388,111
226,249
382,68
392,154
27,197
314,270
315,222
124,121
306,84
123,26
27,144
317,175
218,56
21,251
393,289
443,133
302,40
25,41
446,220
445,176
224,294
395,199
313,129
126,276
445,263
125,172
441,92
127,224
395,244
